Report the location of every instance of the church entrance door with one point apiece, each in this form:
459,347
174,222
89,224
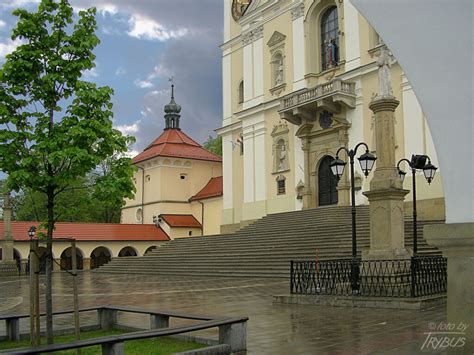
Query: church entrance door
327,183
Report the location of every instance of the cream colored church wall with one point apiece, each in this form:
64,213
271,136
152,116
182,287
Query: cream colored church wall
165,191
282,24
283,202
212,214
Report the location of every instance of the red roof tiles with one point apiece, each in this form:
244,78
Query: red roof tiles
181,220
212,189
175,143
93,231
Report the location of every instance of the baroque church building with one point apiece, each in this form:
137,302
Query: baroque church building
178,183
298,77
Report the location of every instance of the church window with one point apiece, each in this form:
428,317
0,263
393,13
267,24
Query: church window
147,178
281,189
190,233
329,38
241,92
183,176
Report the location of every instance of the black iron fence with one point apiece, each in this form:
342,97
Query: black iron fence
415,277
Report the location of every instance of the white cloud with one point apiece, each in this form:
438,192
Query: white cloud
90,74
128,129
145,28
120,71
2,24
143,84
8,47
163,92
13,4
107,8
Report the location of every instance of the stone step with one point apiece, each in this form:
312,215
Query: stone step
264,248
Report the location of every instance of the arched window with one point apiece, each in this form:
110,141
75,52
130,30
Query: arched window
329,38
241,92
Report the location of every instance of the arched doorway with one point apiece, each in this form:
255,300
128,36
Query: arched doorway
327,183
66,260
128,251
99,257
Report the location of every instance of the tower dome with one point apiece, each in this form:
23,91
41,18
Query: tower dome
172,110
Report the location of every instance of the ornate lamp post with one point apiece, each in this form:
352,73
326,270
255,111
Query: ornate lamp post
366,161
429,170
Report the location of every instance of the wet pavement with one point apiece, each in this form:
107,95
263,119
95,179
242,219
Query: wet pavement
272,328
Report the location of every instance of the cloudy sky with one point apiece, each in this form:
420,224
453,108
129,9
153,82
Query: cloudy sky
143,43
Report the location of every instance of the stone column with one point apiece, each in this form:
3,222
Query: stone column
386,194
456,241
7,244
86,263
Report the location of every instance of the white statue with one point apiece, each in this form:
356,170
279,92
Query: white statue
385,81
282,158
279,76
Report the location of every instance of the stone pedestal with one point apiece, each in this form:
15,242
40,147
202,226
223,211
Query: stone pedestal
7,243
386,194
456,241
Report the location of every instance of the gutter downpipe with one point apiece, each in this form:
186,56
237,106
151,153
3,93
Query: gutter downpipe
202,217
143,193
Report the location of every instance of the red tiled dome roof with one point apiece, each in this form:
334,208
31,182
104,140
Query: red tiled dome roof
175,143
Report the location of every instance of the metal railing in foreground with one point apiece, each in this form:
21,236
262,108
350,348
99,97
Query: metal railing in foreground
414,277
232,331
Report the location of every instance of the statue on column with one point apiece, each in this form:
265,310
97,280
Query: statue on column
385,81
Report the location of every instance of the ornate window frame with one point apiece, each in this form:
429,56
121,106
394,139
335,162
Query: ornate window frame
276,45
281,161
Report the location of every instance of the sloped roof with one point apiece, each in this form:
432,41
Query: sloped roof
212,189
93,231
181,220
175,143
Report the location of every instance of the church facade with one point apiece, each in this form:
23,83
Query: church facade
298,77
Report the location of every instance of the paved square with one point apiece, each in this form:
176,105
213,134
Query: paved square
272,328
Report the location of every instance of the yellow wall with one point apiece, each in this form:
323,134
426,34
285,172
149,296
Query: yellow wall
165,191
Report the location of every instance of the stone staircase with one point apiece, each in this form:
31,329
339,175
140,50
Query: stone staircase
265,247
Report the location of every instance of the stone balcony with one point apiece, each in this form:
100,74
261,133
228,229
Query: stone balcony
303,104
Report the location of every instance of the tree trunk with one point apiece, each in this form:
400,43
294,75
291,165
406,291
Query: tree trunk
49,268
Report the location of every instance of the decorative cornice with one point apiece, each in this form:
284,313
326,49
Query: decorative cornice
252,35
297,11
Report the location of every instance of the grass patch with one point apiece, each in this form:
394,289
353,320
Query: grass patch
159,346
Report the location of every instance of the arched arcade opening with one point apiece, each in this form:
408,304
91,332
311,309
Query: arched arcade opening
66,259
100,256
128,251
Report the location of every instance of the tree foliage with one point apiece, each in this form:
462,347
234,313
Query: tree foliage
214,145
54,127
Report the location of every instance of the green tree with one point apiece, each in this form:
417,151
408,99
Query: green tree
214,145
54,127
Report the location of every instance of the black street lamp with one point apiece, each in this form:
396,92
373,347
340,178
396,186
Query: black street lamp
429,170
366,161
32,231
